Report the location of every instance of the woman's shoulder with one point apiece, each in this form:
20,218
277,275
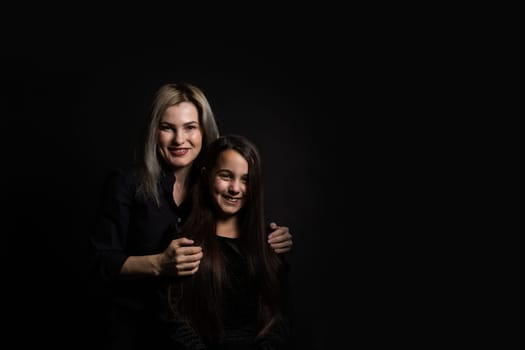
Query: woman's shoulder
123,176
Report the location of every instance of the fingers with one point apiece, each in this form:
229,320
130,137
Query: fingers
181,242
181,250
282,247
280,239
184,257
283,250
281,244
279,233
187,255
187,269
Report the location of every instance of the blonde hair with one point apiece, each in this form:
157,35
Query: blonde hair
169,95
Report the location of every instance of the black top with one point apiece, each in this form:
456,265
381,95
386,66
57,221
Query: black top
240,301
129,224
239,310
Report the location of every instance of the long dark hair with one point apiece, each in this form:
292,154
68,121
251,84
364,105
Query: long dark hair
197,298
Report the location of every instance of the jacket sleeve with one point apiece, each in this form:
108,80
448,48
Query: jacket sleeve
108,236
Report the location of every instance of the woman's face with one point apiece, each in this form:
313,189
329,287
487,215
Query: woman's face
180,135
229,179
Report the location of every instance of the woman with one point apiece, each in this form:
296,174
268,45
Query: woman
132,246
236,299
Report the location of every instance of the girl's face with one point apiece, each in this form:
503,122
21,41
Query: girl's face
229,179
180,135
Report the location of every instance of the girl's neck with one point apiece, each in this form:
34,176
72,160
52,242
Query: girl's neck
227,227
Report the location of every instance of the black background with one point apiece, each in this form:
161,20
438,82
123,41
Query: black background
70,118
328,117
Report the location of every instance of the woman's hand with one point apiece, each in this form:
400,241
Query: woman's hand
181,258
280,239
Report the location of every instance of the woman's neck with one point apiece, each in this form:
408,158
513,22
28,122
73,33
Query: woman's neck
179,187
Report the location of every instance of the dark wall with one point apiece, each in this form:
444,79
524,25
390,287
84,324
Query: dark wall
71,118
